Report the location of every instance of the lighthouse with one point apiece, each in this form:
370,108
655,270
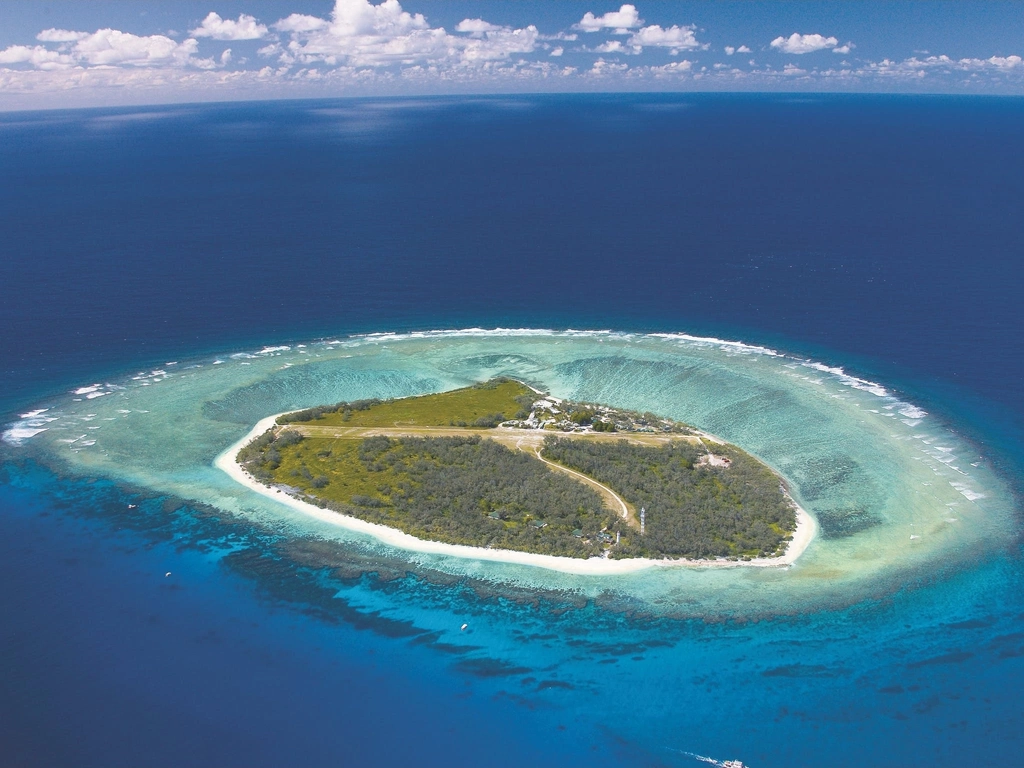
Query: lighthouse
643,520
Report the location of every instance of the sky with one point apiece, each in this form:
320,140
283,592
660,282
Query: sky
68,53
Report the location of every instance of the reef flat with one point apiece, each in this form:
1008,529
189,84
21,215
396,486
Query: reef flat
894,492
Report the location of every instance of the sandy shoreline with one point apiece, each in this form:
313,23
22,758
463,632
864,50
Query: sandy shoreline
596,566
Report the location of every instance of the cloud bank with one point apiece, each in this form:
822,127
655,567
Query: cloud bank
363,47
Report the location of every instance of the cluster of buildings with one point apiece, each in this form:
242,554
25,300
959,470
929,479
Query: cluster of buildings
556,414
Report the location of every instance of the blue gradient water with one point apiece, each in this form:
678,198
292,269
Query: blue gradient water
876,233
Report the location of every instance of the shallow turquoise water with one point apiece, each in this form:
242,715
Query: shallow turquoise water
893,490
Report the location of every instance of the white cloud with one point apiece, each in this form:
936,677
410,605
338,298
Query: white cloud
476,26
105,48
362,34
112,47
569,36
1011,68
557,51
359,33
299,22
225,57
245,28
37,56
999,62
59,36
672,68
611,46
844,49
730,50
676,37
500,44
797,43
359,17
602,67
621,20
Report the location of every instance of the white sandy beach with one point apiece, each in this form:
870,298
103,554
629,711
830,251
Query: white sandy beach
596,566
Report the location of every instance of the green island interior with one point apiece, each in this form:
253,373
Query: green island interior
500,465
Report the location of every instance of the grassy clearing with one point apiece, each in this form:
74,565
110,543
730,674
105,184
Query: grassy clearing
480,405
335,459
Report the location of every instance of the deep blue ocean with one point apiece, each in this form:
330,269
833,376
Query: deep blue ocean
883,234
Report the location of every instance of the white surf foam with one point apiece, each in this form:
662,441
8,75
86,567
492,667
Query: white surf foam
16,435
29,425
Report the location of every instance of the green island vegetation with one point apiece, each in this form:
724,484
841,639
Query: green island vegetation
693,509
495,465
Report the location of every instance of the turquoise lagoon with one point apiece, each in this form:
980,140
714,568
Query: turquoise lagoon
896,493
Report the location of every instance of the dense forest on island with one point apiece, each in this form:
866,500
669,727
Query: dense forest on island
693,510
459,490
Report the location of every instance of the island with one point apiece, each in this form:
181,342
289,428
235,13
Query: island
501,467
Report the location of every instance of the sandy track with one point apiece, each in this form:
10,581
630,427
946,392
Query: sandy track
612,500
